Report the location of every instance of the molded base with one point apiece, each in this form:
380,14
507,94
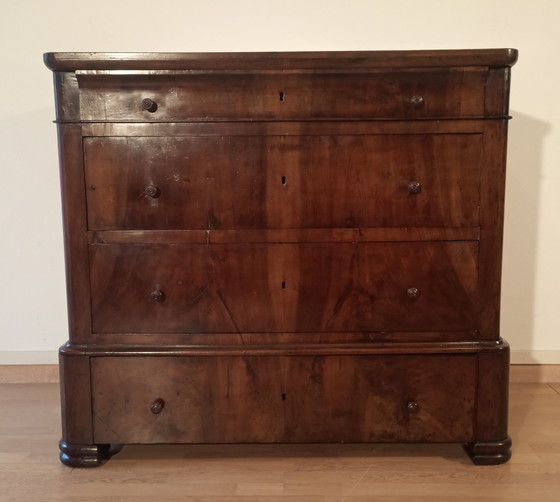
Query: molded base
489,453
79,455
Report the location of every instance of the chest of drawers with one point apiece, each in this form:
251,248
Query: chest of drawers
283,247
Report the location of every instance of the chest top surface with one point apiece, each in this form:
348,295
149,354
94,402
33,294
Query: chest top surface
70,61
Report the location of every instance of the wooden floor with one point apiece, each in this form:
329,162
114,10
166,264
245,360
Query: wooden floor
30,470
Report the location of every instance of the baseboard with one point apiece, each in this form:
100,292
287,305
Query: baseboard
48,373
535,357
534,373
29,373
31,357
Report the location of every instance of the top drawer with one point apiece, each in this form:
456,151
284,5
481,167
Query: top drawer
207,96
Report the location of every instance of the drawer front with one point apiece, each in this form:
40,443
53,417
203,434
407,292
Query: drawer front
278,96
283,399
250,182
319,287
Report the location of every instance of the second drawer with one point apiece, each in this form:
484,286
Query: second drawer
255,182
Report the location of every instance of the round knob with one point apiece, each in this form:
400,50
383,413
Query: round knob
157,406
417,101
149,105
157,296
414,187
413,293
412,407
152,191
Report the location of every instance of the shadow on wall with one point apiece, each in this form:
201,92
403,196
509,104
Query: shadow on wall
523,181
525,146
32,298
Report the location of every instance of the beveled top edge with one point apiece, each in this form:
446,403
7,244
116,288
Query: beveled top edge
71,61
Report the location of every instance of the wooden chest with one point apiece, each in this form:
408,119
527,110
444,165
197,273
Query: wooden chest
283,247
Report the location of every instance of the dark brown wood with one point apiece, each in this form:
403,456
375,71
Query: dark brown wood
493,453
492,193
320,341
281,128
75,225
283,247
245,288
70,61
497,92
283,235
79,455
492,406
304,96
75,398
260,182
285,344
262,399
492,444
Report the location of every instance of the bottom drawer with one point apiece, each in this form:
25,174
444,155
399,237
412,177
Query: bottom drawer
292,399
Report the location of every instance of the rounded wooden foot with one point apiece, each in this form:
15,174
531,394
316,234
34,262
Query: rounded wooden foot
495,453
79,455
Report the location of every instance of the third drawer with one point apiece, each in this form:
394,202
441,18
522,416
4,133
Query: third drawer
284,287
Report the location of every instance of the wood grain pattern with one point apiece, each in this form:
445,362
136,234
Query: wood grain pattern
281,128
260,399
75,225
270,181
75,392
246,288
285,235
70,61
283,247
281,96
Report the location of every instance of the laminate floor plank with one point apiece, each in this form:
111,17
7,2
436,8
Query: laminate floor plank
30,470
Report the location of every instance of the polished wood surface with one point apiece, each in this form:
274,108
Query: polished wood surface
49,373
280,96
244,288
238,226
284,399
243,182
279,473
69,61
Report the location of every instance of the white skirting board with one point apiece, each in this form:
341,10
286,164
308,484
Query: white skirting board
26,357
51,357
535,356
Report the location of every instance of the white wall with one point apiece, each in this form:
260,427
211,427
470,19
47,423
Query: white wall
32,301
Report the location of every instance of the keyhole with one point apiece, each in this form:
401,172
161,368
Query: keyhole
282,96
283,397
283,284
283,180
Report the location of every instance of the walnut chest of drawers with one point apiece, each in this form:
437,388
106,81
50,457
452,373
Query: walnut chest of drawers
283,248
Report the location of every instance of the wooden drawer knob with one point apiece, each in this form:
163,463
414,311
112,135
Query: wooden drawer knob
157,296
413,293
414,187
417,101
152,191
157,406
149,105
412,407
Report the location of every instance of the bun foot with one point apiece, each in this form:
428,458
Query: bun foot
495,453
79,455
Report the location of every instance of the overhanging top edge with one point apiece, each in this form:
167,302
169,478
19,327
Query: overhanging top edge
71,61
